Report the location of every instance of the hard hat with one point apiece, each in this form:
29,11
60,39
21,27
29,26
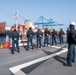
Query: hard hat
73,23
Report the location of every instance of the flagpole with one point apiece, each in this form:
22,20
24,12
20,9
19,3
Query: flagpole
16,18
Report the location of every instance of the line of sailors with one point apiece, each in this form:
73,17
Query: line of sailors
39,35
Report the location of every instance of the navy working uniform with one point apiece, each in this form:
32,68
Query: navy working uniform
61,33
46,36
39,35
30,35
15,38
54,34
67,31
71,45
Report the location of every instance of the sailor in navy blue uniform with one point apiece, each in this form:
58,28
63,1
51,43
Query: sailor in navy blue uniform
46,36
39,35
61,34
71,44
30,35
15,38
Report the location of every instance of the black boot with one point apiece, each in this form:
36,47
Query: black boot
18,51
67,64
12,52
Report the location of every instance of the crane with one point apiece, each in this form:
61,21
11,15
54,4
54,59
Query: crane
43,22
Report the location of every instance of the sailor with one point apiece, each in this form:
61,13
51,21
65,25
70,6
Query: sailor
54,35
61,34
15,38
30,35
39,35
71,44
46,36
